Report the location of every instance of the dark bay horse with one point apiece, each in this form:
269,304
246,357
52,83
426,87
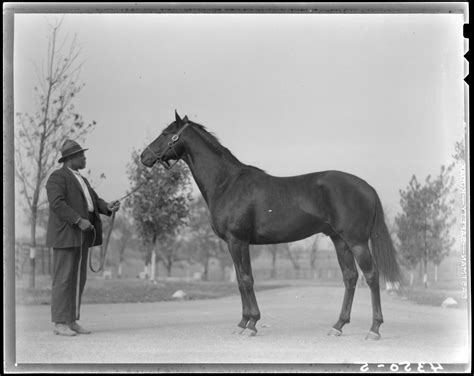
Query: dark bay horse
248,206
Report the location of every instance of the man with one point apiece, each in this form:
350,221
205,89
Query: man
74,225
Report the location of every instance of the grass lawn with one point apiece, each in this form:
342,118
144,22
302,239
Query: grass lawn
433,296
129,290
132,290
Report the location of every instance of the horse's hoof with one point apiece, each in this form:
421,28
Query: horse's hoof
238,330
334,332
372,336
251,332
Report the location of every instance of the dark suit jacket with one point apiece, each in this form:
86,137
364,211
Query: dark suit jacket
67,203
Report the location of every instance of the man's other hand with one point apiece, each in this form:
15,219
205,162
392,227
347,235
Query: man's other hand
85,225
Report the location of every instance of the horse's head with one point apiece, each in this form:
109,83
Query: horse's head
167,145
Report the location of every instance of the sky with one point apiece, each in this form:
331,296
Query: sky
380,96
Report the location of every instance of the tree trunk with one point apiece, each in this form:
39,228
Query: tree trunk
290,256
205,274
312,254
36,193
121,258
169,266
146,270
436,273
425,272
312,259
32,266
33,248
222,267
153,265
119,271
273,269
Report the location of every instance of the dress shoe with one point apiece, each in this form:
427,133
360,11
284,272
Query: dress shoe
78,329
63,330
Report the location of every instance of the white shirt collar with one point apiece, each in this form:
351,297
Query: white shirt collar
75,172
81,180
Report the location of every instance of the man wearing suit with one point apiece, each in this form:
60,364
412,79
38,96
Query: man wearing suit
74,225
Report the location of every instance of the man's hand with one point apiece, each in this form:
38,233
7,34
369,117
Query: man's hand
113,206
85,225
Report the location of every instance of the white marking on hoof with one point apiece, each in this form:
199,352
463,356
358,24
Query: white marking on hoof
238,330
250,332
372,336
334,332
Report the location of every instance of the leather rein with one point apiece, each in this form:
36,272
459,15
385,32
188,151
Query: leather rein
103,250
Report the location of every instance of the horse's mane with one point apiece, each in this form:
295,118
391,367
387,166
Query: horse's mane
213,142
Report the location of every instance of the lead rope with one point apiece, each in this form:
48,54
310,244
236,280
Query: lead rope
79,274
103,249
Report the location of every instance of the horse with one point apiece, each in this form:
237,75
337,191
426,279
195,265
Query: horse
248,206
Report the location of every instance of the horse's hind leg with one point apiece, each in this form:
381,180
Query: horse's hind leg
350,275
250,313
371,274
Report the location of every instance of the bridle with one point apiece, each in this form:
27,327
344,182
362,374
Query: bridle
171,144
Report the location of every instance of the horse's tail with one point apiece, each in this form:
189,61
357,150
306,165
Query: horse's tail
383,250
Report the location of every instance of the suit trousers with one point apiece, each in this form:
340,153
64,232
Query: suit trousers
69,279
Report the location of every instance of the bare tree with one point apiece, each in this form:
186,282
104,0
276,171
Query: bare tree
292,256
274,249
39,133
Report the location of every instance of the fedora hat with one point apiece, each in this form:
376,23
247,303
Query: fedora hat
69,148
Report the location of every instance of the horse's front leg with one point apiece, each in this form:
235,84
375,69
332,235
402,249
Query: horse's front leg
239,251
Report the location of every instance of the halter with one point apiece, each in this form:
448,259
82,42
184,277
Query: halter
173,141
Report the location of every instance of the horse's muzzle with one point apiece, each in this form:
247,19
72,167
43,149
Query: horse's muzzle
147,162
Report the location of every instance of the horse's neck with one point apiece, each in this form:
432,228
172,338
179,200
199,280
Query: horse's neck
210,169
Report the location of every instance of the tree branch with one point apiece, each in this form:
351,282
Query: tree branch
25,192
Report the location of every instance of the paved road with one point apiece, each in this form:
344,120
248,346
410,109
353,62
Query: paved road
293,330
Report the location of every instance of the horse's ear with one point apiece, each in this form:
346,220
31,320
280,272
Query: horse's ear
185,119
178,119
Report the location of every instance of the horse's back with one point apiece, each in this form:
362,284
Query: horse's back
336,182
348,183
331,201
317,191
